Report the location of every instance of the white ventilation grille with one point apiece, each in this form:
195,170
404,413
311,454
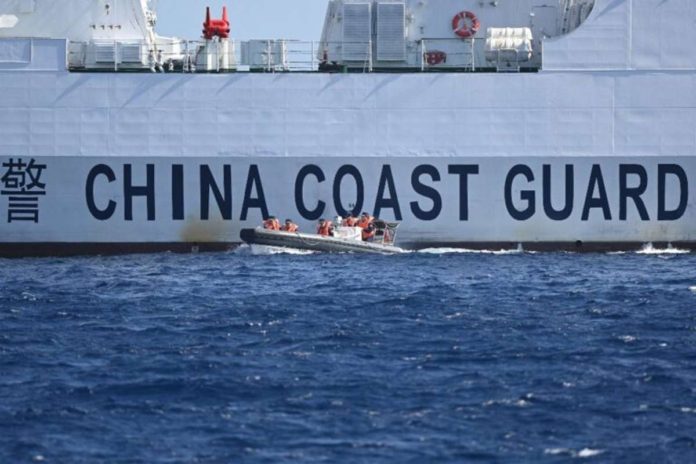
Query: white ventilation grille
357,31
391,32
131,53
104,52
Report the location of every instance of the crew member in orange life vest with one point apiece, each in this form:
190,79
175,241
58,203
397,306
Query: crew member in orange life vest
350,220
290,226
325,228
271,223
365,220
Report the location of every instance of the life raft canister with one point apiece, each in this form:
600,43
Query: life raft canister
465,24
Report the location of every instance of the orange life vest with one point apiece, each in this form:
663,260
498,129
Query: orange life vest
350,221
325,230
365,221
290,227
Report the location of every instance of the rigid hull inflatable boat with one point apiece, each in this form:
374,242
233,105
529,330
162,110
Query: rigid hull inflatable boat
343,240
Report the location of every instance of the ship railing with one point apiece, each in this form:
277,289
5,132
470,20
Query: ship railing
425,55
441,54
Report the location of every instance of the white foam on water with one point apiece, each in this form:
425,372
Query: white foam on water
265,250
443,251
649,249
627,338
583,453
693,288
446,251
521,402
557,451
589,452
243,249
270,250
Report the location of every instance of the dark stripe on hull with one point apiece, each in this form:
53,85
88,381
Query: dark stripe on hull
26,250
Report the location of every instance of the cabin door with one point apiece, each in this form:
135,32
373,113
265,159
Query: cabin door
544,23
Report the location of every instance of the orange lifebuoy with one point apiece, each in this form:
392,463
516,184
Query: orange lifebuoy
465,24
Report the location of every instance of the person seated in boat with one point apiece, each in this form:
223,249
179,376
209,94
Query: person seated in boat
325,228
290,226
272,223
365,220
349,221
368,233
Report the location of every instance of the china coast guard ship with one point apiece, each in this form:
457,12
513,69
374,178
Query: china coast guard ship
554,124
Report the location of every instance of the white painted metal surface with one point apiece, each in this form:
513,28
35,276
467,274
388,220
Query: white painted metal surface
356,115
77,20
599,146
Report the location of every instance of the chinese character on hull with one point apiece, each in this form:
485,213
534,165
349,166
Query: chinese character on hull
21,183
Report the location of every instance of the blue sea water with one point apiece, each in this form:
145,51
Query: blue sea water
273,358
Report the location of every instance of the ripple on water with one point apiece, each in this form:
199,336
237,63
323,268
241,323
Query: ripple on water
440,356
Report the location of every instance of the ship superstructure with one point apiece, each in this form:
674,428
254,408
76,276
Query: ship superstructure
563,124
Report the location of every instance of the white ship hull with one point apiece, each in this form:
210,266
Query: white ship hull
141,203
600,155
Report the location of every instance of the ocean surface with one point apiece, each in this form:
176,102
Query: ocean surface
263,357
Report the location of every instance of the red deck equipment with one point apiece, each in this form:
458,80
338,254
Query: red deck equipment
216,27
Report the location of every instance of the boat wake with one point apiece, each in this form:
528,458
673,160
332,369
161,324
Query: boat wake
267,250
446,251
649,249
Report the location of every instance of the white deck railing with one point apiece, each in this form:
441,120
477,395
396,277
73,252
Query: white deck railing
276,56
